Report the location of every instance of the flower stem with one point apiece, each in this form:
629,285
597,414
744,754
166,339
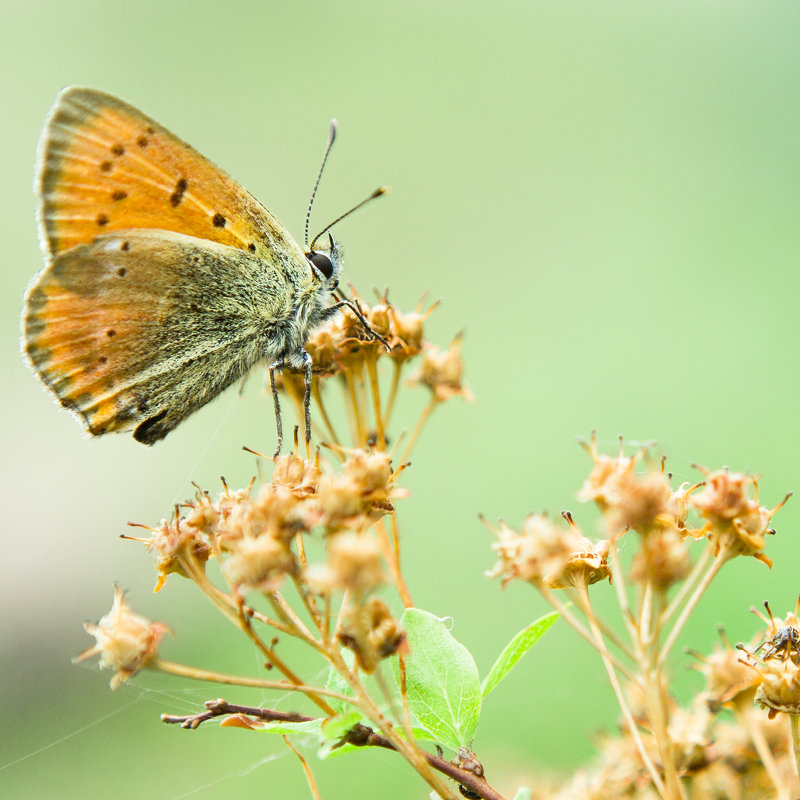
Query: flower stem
794,719
198,674
583,593
719,561
426,412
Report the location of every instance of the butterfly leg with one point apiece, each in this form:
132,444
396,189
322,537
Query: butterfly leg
330,311
278,422
307,399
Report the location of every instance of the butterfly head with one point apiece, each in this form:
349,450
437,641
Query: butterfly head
326,263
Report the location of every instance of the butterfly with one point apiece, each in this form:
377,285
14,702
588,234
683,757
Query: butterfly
165,281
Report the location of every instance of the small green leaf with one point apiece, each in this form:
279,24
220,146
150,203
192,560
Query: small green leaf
515,649
336,683
523,793
288,728
442,681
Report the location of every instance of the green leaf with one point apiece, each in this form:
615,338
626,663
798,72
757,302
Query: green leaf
288,728
442,681
336,683
523,793
515,649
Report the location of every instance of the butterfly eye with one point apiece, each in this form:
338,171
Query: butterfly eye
322,263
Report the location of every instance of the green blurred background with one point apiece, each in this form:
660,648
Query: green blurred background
606,197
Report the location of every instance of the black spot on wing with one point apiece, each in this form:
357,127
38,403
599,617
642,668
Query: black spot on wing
180,189
153,429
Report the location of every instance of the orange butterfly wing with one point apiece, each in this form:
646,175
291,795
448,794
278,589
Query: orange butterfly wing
97,341
105,166
141,328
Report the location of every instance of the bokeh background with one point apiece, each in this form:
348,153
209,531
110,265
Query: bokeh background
606,196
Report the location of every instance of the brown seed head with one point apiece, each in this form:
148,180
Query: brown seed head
125,641
362,493
643,502
548,554
258,563
298,474
663,558
179,547
735,520
372,633
442,372
729,681
354,562
203,516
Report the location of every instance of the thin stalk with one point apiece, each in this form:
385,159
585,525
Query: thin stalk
357,417
224,603
572,620
372,371
617,688
287,613
406,718
312,784
391,547
197,674
646,612
688,584
747,720
426,412
794,719
323,412
405,747
608,632
622,590
398,369
276,661
720,559
309,602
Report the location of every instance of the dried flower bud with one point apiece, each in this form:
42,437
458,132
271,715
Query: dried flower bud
642,502
779,691
339,499
371,632
407,332
364,489
547,554
601,485
203,516
322,347
371,470
736,522
777,661
258,563
298,474
729,681
126,642
662,560
276,511
178,547
442,372
354,562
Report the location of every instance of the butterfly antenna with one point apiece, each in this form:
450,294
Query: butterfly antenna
377,193
328,146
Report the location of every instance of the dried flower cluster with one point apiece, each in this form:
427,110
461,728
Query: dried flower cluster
722,745
325,526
